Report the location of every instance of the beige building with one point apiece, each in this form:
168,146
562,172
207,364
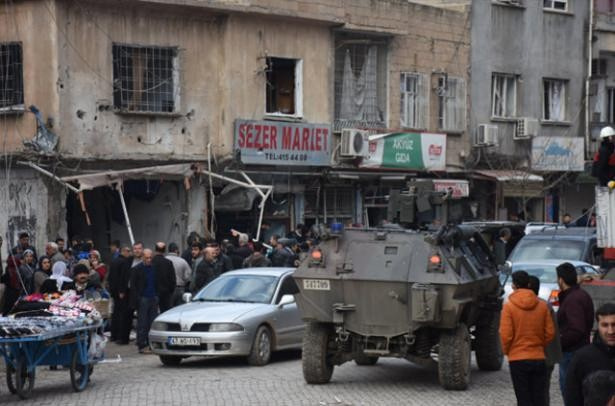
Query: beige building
222,83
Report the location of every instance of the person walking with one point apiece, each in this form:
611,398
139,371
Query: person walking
597,356
526,327
145,285
118,278
553,352
575,317
183,273
166,273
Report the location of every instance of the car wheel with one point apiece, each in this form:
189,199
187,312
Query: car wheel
261,347
170,360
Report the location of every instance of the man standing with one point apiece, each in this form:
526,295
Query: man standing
24,244
500,247
183,273
166,273
575,317
114,248
223,263
137,253
258,258
206,271
242,251
53,252
196,256
119,275
145,285
602,163
597,356
526,327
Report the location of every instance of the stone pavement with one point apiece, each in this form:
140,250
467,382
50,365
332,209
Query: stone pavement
142,380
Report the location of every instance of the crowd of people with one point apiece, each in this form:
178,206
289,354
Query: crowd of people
138,278
535,339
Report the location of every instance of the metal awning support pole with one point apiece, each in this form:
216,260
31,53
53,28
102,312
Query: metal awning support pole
262,213
120,191
51,175
246,177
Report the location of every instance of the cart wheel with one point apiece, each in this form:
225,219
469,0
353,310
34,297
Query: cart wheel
79,374
24,380
10,378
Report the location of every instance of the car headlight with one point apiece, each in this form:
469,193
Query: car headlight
218,327
159,326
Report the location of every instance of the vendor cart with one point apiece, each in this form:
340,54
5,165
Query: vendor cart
67,347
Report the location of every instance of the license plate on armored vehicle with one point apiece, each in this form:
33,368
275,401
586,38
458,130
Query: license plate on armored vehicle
316,284
184,341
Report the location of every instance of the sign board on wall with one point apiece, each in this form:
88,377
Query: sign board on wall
460,188
558,154
413,151
281,143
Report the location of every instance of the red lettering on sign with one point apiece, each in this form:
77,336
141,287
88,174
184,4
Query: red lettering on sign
249,136
241,142
297,139
305,139
286,137
273,138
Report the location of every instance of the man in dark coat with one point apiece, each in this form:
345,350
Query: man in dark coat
597,356
575,317
119,276
242,251
258,258
23,245
164,268
205,271
500,247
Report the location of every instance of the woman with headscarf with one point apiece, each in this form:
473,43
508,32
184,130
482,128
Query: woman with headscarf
27,269
97,265
58,273
43,272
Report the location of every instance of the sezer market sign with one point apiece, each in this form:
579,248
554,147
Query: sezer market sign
281,143
412,151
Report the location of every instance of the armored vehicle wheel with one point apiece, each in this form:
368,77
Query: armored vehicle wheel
488,347
365,360
454,354
317,368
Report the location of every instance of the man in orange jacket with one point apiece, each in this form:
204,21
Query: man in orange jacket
526,327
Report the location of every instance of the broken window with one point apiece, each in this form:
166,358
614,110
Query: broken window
11,76
283,86
561,5
414,97
360,81
554,108
452,104
145,79
503,95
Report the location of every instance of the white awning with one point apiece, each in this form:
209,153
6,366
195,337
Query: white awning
509,175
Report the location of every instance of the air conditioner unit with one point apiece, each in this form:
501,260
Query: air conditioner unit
354,143
486,135
526,127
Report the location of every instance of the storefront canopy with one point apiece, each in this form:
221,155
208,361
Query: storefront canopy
509,175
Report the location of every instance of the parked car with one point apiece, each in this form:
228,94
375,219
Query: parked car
490,230
249,312
533,227
545,271
563,244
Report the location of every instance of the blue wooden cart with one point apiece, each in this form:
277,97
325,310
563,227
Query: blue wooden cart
61,347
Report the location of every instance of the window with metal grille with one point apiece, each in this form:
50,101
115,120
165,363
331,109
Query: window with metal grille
145,79
503,95
414,109
339,204
561,5
452,103
11,76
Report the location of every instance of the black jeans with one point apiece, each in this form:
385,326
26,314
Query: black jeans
146,313
529,379
121,319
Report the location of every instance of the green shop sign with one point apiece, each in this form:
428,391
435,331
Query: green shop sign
413,151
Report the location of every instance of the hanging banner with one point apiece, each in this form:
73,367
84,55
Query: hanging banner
413,151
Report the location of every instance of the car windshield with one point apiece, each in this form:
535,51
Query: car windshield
545,273
533,250
239,288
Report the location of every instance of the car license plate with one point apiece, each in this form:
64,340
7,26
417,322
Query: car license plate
316,284
184,341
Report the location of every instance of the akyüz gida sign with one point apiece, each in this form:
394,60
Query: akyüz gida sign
280,143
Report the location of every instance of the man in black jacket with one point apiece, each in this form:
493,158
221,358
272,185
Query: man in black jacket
164,268
205,271
119,276
603,169
597,356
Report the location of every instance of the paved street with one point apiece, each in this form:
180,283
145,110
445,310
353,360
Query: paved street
141,379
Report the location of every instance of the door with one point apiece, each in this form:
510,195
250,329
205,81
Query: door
288,323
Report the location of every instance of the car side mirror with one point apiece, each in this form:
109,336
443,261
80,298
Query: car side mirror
286,299
507,268
187,297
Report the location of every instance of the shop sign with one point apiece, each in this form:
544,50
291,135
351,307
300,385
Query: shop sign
459,188
558,154
281,143
413,151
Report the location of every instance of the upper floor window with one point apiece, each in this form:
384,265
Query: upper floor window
452,104
561,5
11,76
284,86
414,112
604,6
503,95
554,100
145,79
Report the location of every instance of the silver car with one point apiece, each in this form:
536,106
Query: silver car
248,312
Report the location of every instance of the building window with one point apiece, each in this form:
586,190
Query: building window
11,76
452,104
604,6
414,112
503,95
554,108
599,67
610,105
561,5
360,81
284,86
145,79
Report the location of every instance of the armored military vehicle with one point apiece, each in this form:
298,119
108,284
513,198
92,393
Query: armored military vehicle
392,292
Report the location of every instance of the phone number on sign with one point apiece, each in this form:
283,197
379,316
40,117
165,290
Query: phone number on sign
286,157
